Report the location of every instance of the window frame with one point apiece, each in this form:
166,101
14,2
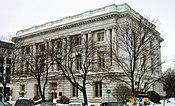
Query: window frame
78,62
100,36
22,87
98,89
74,90
36,90
100,59
27,50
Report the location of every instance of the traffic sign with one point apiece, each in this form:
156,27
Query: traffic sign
108,91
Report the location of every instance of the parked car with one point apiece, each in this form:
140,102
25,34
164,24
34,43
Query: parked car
7,104
12,103
2,104
81,104
47,104
111,104
24,102
75,104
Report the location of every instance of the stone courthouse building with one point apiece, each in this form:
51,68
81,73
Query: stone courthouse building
100,24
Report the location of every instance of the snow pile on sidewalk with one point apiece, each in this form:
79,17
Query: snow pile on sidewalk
172,100
167,102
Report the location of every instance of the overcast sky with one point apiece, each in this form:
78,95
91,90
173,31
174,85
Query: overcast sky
21,14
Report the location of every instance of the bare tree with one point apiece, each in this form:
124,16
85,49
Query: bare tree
80,61
34,62
169,83
6,73
137,54
121,91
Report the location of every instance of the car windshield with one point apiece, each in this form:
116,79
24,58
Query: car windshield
23,102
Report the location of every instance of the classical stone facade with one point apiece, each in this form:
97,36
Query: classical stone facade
6,66
101,24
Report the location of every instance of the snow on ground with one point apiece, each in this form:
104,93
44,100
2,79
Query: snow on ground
168,102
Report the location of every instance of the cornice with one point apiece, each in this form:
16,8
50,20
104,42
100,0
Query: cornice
78,23
86,17
69,25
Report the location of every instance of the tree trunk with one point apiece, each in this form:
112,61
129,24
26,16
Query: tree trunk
132,84
85,97
40,90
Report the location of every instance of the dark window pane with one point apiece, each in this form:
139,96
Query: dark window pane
2,60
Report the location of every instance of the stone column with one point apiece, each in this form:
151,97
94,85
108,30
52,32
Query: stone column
5,65
114,39
65,47
107,38
107,35
50,44
83,40
45,44
90,36
22,58
34,49
115,45
34,52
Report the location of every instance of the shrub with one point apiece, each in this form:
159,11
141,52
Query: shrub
36,97
154,96
63,100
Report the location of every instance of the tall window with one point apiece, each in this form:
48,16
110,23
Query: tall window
77,40
100,36
9,53
74,90
1,61
53,86
101,59
136,86
8,70
42,47
1,73
27,49
27,67
98,89
59,44
36,90
59,65
78,62
22,90
53,90
1,68
22,87
151,53
7,89
52,45
41,66
8,60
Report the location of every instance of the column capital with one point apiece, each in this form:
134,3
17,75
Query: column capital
111,27
49,40
86,32
106,28
114,27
